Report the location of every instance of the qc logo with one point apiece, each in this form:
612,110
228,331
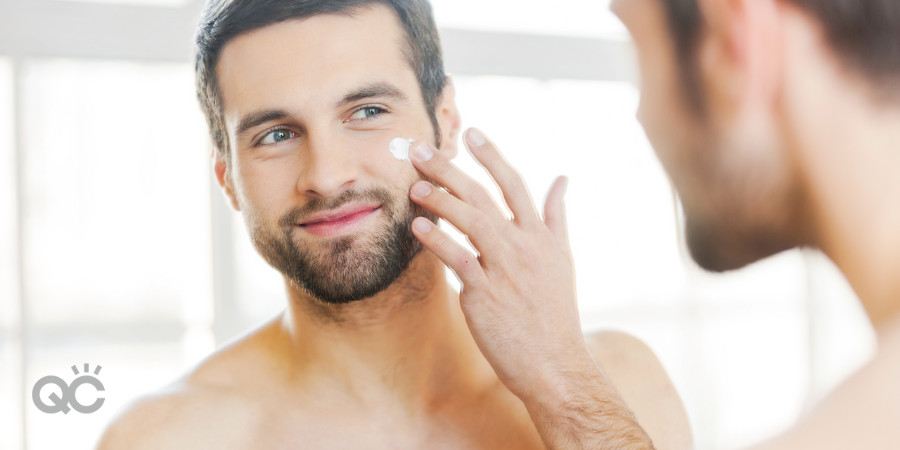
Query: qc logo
68,401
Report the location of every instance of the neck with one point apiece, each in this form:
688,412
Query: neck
853,179
846,143
408,345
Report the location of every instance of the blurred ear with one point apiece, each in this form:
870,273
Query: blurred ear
449,120
223,176
741,54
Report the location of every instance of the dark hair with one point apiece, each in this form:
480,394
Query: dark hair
223,20
864,34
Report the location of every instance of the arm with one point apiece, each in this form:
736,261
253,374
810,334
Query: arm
518,297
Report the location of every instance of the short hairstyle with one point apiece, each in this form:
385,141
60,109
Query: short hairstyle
864,34
223,20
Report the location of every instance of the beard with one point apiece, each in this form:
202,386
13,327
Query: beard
347,268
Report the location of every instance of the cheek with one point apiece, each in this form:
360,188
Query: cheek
387,162
658,117
264,189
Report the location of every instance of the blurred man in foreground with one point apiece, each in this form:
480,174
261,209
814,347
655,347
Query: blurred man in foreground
778,122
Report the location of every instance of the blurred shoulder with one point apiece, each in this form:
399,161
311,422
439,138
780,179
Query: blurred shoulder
863,412
644,384
620,347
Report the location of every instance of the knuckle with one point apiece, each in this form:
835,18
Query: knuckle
480,198
443,244
469,270
524,248
512,178
440,168
480,226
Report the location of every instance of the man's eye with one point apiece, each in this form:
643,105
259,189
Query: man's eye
277,136
367,113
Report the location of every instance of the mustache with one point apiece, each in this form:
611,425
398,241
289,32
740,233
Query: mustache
298,214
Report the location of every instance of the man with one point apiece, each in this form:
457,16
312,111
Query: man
373,351
778,122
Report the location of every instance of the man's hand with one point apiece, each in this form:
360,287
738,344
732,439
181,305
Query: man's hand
518,296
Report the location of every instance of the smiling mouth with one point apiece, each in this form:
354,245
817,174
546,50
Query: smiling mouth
338,222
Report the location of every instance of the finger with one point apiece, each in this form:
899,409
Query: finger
466,218
453,255
436,166
515,191
555,210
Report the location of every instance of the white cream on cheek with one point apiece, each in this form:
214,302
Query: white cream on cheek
400,148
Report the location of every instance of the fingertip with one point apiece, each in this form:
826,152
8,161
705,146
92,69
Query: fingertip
422,225
475,138
421,151
420,189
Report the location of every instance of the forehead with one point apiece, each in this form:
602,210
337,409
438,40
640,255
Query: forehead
317,56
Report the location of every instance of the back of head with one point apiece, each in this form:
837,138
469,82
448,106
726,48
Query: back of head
863,34
223,20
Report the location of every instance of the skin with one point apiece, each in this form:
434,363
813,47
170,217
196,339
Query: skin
398,370
795,149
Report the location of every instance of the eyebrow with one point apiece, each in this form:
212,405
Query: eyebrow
258,118
373,90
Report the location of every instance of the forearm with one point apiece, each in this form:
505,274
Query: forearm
584,411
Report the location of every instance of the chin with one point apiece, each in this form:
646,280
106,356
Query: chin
718,249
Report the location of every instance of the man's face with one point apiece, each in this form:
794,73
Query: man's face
311,107
728,166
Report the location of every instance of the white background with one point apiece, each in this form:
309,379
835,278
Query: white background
116,248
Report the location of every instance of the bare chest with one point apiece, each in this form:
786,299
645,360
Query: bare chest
300,428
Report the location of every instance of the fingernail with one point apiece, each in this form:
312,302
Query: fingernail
421,189
423,152
476,138
422,225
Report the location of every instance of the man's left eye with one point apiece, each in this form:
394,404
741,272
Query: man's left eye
367,113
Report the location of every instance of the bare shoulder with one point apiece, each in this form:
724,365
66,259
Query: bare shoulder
630,363
644,384
176,417
209,407
620,347
863,412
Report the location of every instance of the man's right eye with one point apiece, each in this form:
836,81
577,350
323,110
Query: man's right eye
276,136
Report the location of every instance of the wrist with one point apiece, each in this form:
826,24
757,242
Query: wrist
564,389
564,380
584,409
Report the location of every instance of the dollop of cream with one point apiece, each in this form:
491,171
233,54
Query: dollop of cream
400,148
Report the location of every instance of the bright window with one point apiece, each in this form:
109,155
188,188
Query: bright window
116,242
10,327
587,18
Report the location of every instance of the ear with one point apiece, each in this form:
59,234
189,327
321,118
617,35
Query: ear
223,176
448,119
740,54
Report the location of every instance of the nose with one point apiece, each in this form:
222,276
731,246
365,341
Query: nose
330,167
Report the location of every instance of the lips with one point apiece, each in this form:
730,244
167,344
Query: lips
338,221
